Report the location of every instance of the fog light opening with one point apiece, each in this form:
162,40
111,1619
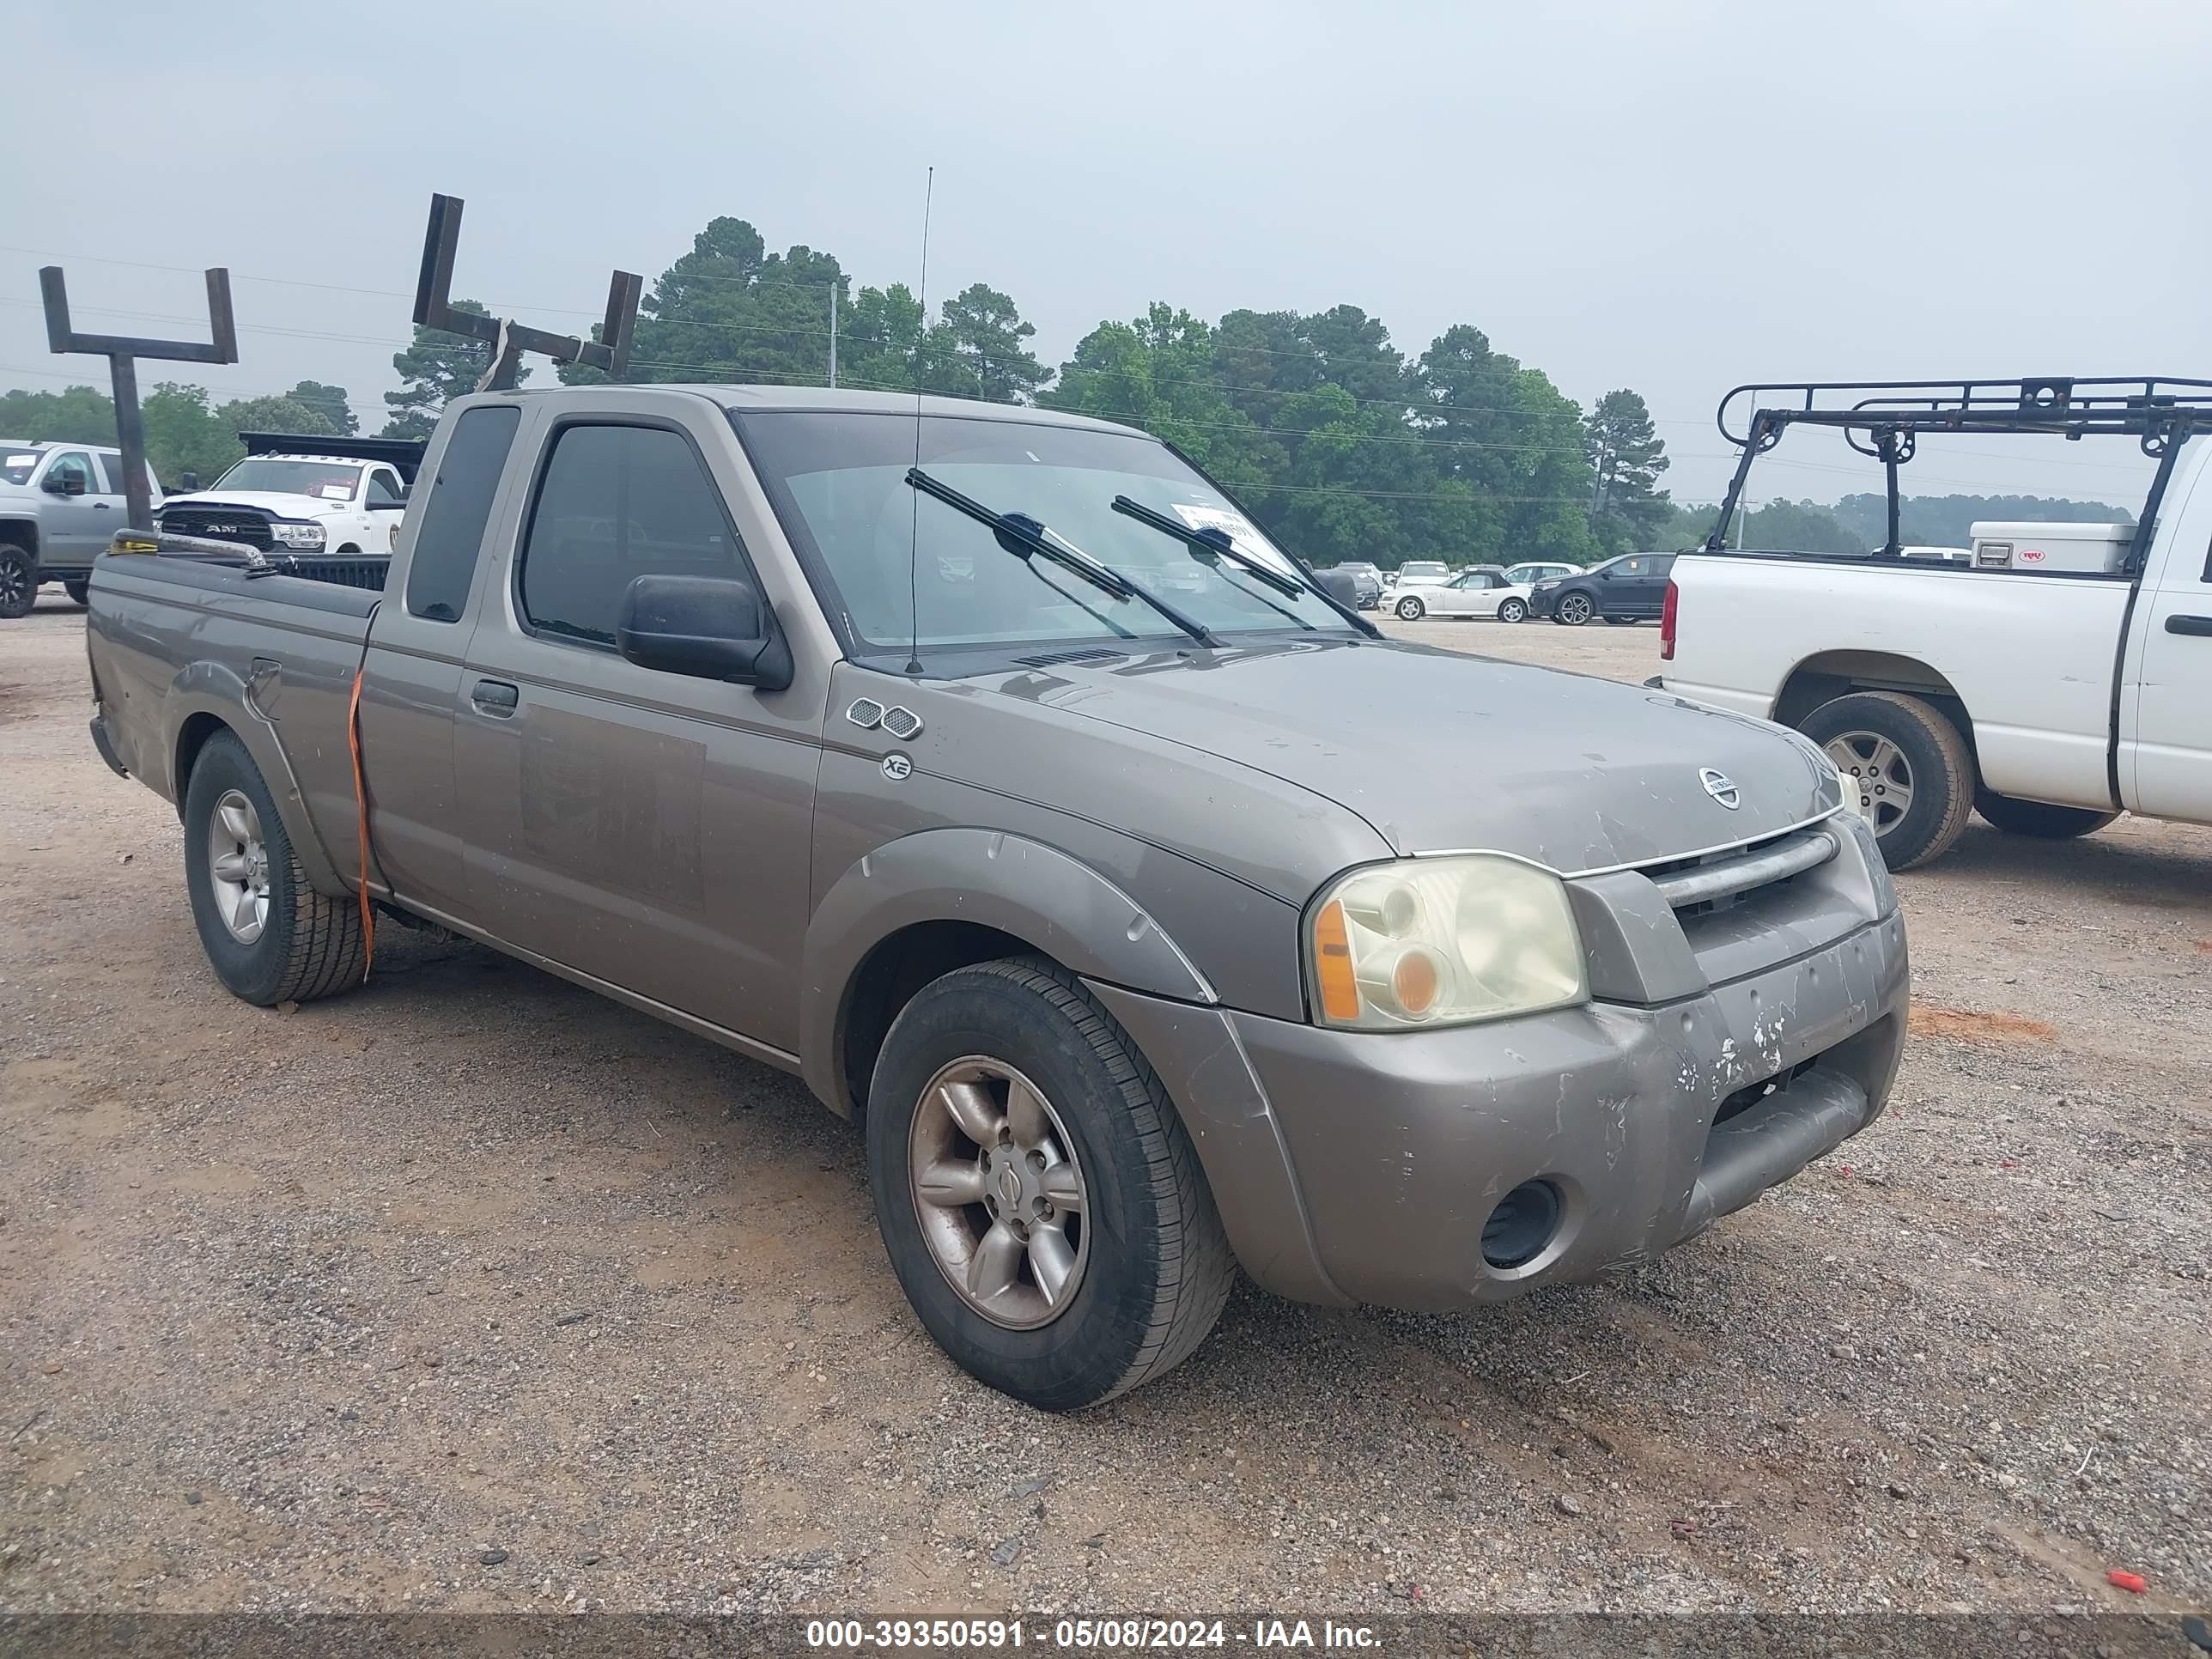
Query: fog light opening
1522,1225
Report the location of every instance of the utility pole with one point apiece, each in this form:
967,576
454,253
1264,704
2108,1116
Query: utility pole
122,352
833,335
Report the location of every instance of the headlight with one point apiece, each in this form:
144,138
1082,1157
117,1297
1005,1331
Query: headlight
298,535
1442,941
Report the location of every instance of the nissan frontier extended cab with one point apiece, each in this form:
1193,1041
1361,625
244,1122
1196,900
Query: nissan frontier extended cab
986,768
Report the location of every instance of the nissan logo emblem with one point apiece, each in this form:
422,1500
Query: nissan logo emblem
1720,787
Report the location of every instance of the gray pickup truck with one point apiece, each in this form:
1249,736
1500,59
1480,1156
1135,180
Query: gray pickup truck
986,768
60,503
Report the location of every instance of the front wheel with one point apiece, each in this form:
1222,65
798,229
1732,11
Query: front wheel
1512,610
1410,609
1905,768
1573,611
2034,817
269,936
1620,622
80,591
1040,1202
19,582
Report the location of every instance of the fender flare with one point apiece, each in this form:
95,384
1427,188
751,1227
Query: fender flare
1054,903
212,689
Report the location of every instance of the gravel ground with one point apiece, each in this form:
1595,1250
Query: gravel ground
472,1290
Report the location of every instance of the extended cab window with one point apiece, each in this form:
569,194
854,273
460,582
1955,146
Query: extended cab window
112,466
456,510
615,503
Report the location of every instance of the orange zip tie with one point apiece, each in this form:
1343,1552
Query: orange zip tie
361,806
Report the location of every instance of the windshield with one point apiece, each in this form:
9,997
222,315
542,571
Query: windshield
17,465
1417,571
838,482
332,480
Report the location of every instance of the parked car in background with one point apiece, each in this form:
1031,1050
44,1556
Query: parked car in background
59,504
1138,945
343,496
1366,583
1528,575
1414,573
1483,590
1629,589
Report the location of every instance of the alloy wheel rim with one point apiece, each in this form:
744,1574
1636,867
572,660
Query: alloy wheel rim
1877,778
1574,608
999,1193
238,866
14,584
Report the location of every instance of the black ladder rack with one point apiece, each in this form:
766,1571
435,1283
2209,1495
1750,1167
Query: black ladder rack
1883,419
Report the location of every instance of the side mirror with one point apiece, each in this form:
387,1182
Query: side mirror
711,627
188,481
65,483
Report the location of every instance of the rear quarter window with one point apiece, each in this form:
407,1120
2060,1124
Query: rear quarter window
456,511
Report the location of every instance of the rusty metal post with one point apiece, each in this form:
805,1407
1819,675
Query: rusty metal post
509,340
122,352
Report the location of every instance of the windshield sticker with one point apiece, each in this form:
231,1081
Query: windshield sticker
1238,528
22,461
336,492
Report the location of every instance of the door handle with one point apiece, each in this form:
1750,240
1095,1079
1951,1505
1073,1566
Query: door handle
100,507
2177,624
494,697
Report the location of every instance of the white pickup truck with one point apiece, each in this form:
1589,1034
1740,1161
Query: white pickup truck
342,497
2048,698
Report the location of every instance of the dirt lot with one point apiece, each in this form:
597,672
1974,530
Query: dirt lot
472,1290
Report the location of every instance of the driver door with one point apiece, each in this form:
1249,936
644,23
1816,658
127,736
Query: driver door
74,528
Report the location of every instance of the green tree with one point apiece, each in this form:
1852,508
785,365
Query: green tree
274,414
330,402
1948,520
1627,507
1798,527
184,434
77,413
436,368
986,334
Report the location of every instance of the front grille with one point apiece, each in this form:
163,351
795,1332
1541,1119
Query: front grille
1717,880
221,524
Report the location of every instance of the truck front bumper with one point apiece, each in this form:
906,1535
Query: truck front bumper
1360,1167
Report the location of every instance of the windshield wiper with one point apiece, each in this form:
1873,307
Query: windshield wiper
1024,537
1214,541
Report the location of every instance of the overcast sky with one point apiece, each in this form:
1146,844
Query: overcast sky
1673,198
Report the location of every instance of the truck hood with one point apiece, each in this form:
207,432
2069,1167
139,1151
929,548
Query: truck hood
283,505
1442,752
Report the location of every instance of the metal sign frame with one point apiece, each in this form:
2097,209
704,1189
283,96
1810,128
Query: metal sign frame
122,352
509,340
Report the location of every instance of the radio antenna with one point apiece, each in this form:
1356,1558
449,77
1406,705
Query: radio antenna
914,541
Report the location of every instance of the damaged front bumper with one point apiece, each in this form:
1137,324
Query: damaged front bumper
1363,1167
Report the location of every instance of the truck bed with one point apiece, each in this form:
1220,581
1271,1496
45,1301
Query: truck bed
2046,734
180,645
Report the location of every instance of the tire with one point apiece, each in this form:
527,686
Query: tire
19,582
1621,622
308,945
1937,769
1151,1276
80,591
1512,610
1573,610
2033,818
1411,609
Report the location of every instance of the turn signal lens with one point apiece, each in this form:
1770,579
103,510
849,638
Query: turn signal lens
1340,995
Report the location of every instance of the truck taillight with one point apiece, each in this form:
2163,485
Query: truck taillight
1667,621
